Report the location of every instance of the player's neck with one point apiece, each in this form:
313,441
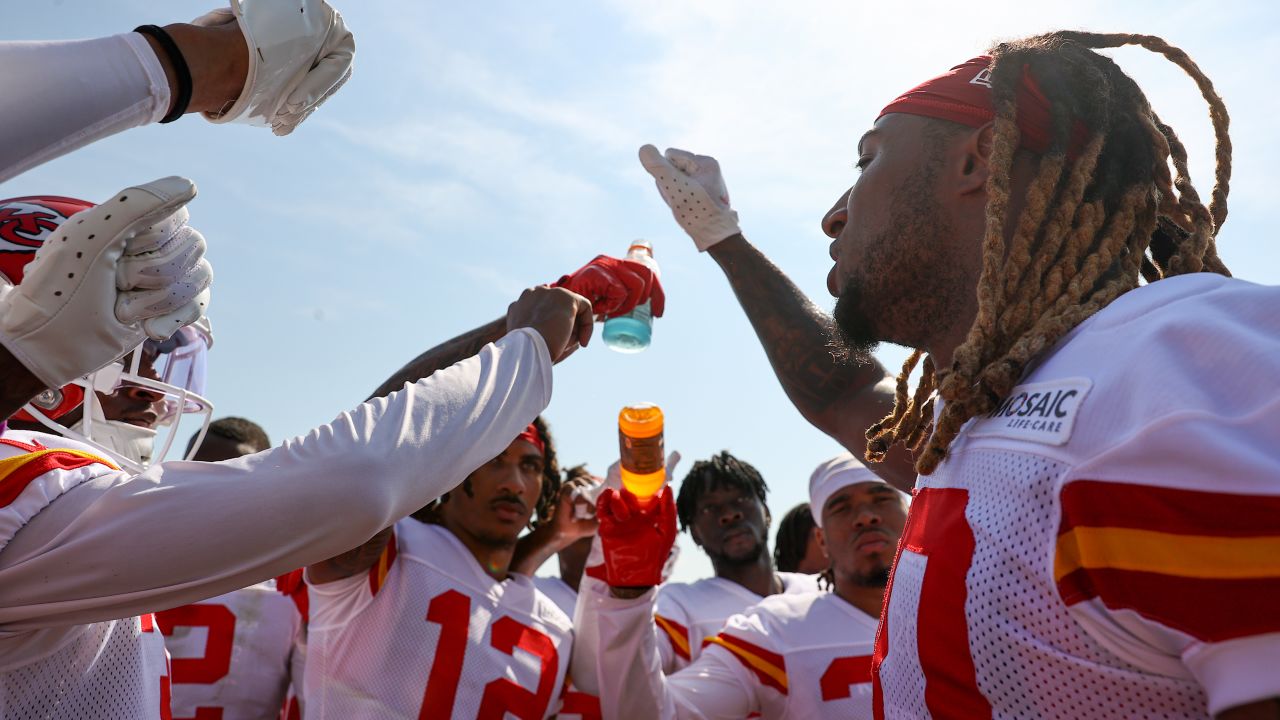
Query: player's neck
494,558
867,598
758,577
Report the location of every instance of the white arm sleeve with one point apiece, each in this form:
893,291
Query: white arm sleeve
184,531
61,96
629,672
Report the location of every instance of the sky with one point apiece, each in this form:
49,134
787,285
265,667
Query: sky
481,148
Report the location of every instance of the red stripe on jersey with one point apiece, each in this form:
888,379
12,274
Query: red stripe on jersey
676,633
378,573
1091,503
17,472
148,622
937,529
768,666
294,586
579,703
1211,610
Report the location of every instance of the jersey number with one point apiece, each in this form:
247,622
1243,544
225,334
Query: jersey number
937,530
216,662
842,673
452,612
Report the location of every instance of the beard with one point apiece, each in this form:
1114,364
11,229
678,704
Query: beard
747,557
911,283
877,577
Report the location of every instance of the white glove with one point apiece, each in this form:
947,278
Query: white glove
300,53
694,190
107,279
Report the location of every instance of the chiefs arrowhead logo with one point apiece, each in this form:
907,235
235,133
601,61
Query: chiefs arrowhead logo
25,224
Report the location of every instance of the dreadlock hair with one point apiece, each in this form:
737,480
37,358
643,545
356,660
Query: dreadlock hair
721,471
546,505
1096,219
793,538
237,430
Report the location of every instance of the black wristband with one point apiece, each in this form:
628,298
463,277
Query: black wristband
179,68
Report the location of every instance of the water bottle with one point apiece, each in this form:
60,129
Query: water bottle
642,463
632,332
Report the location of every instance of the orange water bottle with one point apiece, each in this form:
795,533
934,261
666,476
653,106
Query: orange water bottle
640,441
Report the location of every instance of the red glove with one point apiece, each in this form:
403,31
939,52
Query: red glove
636,541
615,286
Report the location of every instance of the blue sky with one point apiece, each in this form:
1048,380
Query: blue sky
484,147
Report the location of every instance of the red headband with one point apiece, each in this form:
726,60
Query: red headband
531,435
963,95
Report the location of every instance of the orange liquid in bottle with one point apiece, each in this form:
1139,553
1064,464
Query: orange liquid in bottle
640,442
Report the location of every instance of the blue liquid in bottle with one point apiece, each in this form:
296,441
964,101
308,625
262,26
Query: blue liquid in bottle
632,332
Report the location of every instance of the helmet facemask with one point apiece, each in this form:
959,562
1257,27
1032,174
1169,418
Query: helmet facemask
153,396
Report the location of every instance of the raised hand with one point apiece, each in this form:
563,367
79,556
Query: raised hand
563,318
296,60
616,287
105,280
695,191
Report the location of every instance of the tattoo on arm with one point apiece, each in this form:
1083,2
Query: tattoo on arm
352,562
797,335
443,355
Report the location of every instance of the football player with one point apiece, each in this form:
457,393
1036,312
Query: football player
722,504
792,655
427,619
1094,528
233,656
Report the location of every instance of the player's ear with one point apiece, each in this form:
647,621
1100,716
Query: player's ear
971,172
822,542
693,533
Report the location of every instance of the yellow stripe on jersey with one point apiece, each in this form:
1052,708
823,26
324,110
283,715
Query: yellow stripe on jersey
770,672
1192,556
10,465
676,633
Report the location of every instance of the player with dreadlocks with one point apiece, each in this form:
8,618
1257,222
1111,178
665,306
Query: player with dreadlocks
1095,519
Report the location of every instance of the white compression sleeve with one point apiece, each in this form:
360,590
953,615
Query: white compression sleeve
184,531
61,96
629,674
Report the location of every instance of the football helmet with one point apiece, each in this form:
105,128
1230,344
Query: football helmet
133,405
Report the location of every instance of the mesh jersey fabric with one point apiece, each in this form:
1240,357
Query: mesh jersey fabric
114,670
232,654
1095,548
686,614
426,630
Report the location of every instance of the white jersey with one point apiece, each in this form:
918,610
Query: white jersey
1107,542
794,656
231,655
686,614
78,544
114,670
575,704
427,632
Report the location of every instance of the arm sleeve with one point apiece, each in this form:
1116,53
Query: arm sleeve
69,94
631,680
1168,550
182,531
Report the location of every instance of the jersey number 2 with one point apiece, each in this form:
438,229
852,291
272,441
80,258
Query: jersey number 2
451,610
216,662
